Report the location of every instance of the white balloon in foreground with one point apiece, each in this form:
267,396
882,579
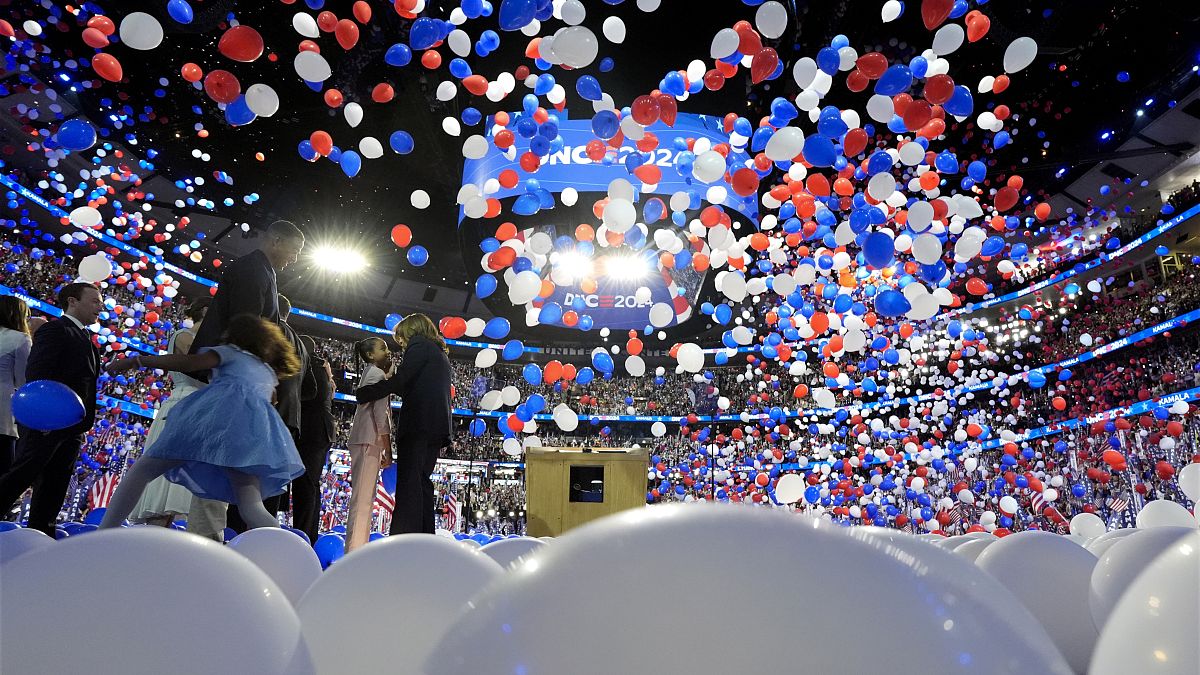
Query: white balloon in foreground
262,100
311,67
353,113
419,199
141,31
771,19
85,216
1019,54
95,268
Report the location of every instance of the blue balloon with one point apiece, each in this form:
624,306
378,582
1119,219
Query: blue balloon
1037,380
960,104
532,374
388,478
588,88
819,151
891,303
516,14
329,549
424,33
478,427
94,517
605,124
76,134
585,375
977,170
895,80
239,113
307,151
401,142
351,164
398,55
496,328
391,321
512,350
485,285
551,313
879,249
180,10
417,255
812,494
602,361
46,405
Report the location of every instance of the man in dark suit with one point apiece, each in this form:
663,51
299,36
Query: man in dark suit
62,351
424,425
316,437
248,286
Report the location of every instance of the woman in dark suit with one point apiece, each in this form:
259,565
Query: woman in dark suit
423,426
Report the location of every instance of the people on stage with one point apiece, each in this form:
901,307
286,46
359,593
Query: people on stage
370,443
424,424
62,351
224,442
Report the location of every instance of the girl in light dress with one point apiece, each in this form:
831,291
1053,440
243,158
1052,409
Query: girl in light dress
370,443
163,502
14,353
226,441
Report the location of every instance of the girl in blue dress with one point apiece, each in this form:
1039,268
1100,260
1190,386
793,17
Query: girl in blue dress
224,442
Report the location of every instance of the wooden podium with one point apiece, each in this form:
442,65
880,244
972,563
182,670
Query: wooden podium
567,487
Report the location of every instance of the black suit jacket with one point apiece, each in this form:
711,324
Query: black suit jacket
316,411
423,384
247,287
290,390
64,352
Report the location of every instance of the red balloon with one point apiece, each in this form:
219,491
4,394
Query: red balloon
744,182
714,80
514,423
382,93
939,88
108,67
241,43
935,12
1006,198
92,37
978,25
222,86
916,114
346,34
854,142
322,142
872,64
453,327
191,72
327,21
764,64
401,235
362,11
645,110
102,23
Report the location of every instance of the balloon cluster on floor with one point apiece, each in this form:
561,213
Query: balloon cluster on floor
1110,602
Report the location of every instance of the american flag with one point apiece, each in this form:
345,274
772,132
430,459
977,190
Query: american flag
1117,504
386,503
451,520
102,490
1037,503
956,516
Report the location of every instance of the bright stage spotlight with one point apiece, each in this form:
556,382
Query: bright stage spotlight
576,265
338,259
627,267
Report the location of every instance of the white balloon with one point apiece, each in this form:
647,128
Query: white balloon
475,327
524,287
1087,525
771,19
971,550
419,199
1051,576
475,147
493,399
95,268
948,39
790,488
1121,564
635,366
565,418
239,606
881,108
724,43
927,249
510,553
576,46
18,542
690,357
614,29
262,100
921,600
459,42
510,395
1019,54
32,27
661,315
709,167
1101,544
353,113
1153,627
446,91
733,285
305,25
658,429
141,31
311,67
370,147
619,215
568,196
511,447
1189,481
783,145
572,12
402,591
486,358
891,10
85,216
1164,513
881,186
284,556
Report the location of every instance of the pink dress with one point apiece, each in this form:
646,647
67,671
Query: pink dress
370,437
